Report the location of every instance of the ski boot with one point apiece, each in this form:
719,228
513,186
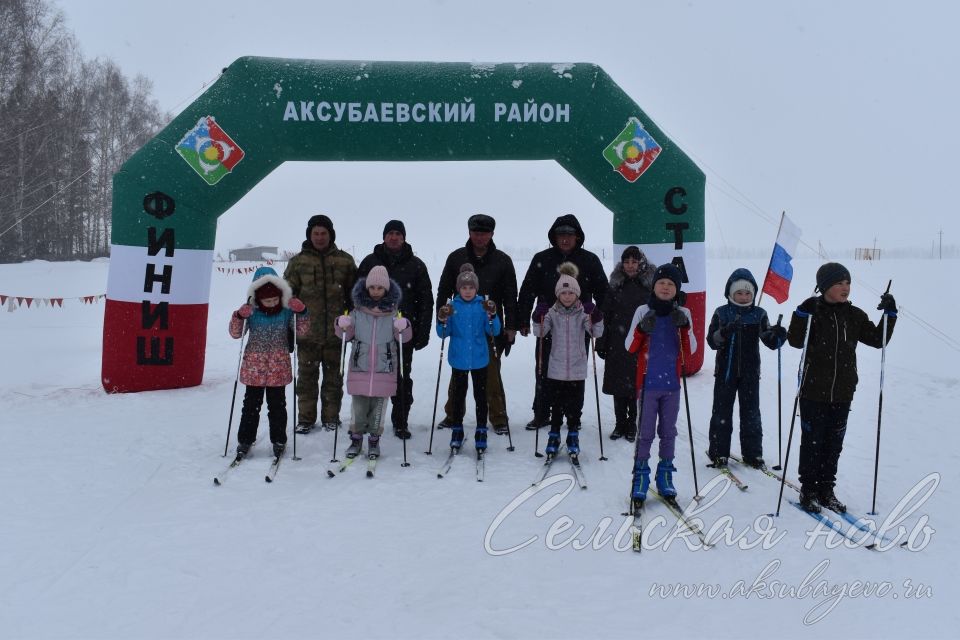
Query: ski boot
617,432
501,429
333,425
402,432
356,443
641,483
553,443
808,500
480,439
756,463
539,420
828,499
373,446
573,441
718,462
243,448
456,436
665,471
279,448
305,427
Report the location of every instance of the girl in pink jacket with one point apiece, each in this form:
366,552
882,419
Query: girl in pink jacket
376,333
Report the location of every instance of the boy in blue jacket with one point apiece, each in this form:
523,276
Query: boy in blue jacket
468,320
735,332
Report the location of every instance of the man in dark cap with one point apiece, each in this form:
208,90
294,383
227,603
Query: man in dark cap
566,239
416,304
321,275
498,282
829,377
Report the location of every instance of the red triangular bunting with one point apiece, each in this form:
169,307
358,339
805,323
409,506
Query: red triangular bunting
3,299
29,301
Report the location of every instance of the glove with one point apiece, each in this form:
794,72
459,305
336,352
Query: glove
400,325
728,329
511,336
887,303
679,318
807,307
780,335
245,311
540,311
591,310
296,305
600,347
648,321
444,312
344,322
524,330
490,307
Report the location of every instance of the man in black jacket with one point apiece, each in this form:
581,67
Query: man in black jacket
498,281
416,305
566,245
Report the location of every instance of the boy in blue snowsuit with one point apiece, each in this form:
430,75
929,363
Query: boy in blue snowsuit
468,320
735,332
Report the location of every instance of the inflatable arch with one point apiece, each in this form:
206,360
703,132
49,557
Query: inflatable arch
264,111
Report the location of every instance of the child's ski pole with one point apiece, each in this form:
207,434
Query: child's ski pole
779,403
793,417
883,360
233,399
596,390
436,392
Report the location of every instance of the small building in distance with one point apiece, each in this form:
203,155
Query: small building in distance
253,254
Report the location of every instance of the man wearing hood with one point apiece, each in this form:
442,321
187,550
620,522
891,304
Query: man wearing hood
321,275
416,305
566,245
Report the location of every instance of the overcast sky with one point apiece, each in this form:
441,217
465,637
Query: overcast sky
841,113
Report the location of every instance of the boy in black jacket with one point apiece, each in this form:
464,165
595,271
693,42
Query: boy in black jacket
829,377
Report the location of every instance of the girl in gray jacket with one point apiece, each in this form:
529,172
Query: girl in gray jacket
570,322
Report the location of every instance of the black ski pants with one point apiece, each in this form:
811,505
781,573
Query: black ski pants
823,426
276,414
565,399
747,390
457,399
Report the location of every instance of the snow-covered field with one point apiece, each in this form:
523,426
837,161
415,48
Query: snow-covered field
111,526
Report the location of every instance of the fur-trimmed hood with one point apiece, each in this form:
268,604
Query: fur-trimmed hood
262,276
618,276
387,305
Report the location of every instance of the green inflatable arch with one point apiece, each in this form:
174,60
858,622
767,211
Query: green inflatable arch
265,111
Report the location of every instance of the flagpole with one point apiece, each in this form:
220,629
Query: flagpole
770,264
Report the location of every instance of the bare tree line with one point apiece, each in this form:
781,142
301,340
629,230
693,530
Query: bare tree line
66,126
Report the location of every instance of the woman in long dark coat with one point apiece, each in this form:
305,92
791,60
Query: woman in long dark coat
630,284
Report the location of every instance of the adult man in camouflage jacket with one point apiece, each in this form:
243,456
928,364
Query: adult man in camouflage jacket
321,275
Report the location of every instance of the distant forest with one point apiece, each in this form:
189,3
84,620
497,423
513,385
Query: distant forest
66,126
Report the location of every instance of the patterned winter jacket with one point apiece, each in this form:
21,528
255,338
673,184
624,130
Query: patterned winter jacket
638,342
739,355
374,359
266,356
568,353
835,330
323,282
468,329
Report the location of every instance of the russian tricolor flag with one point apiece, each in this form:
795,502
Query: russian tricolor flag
777,282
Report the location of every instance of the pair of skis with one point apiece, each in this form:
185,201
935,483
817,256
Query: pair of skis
636,510
454,453
575,467
343,466
221,477
834,522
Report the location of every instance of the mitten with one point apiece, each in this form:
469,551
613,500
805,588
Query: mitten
344,322
887,303
444,312
806,307
648,321
679,318
245,311
728,329
593,311
296,305
400,325
540,312
780,335
490,307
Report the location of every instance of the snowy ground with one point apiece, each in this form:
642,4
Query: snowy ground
112,528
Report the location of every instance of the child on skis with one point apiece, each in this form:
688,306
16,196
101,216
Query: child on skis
829,377
630,284
372,377
468,321
735,333
568,320
660,335
265,369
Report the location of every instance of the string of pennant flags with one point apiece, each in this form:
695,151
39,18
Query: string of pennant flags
12,303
